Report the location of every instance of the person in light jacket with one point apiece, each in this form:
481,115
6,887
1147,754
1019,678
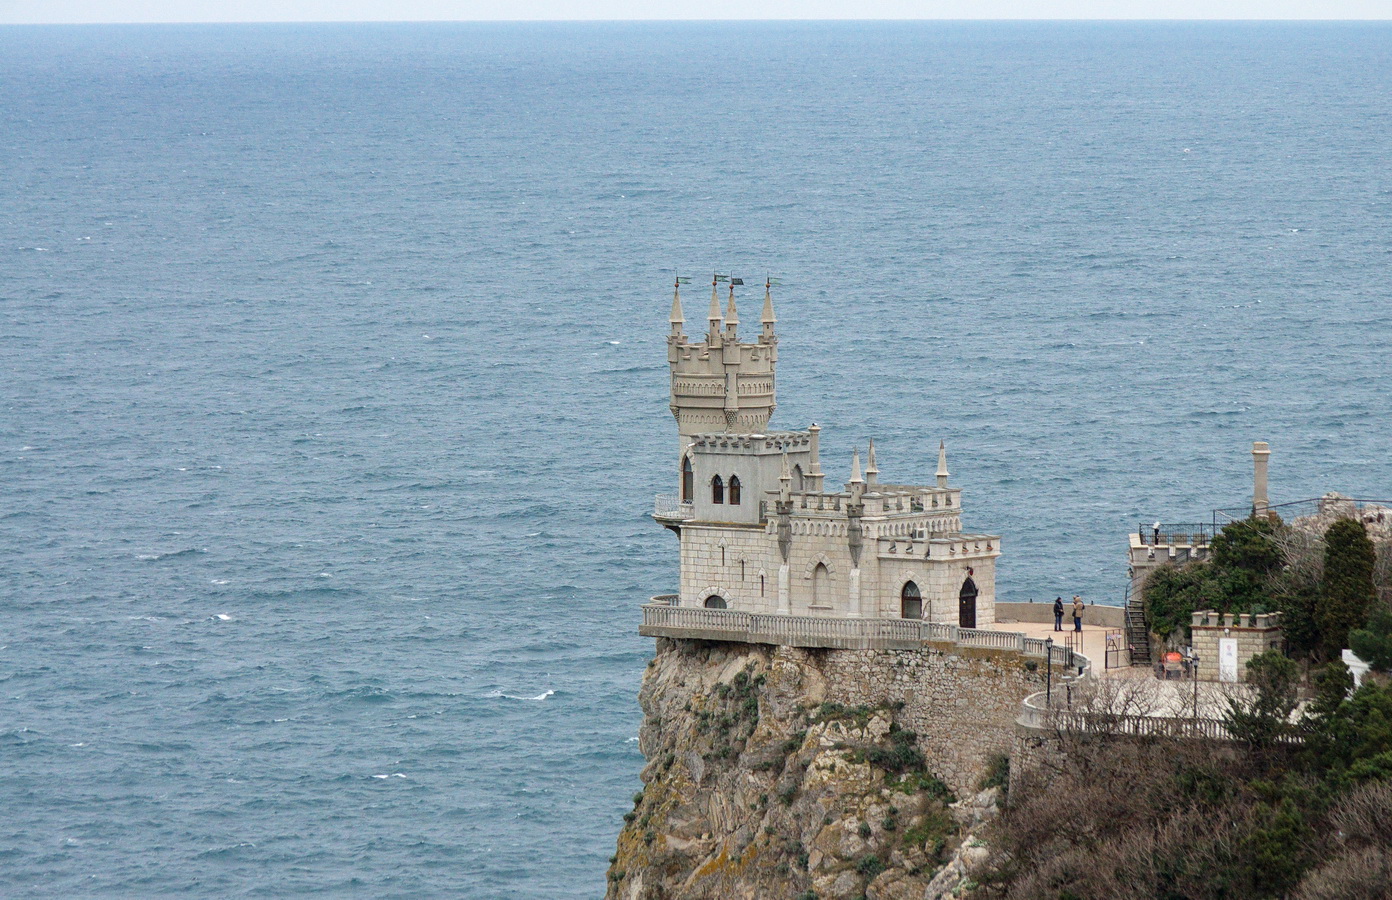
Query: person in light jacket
1077,613
1058,613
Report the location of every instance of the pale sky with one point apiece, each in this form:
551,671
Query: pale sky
105,11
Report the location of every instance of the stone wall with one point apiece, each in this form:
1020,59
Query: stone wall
963,704
707,567
1254,635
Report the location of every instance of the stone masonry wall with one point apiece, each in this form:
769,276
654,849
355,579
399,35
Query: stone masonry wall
962,704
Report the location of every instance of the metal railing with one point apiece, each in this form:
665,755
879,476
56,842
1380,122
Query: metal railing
672,506
1177,533
662,617
1352,507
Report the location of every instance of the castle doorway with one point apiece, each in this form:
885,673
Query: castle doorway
715,601
966,604
910,602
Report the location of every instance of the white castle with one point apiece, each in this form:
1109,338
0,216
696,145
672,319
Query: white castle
760,532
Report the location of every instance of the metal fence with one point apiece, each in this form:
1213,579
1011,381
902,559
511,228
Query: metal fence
1177,533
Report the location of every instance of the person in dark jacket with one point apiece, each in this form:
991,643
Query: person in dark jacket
1058,613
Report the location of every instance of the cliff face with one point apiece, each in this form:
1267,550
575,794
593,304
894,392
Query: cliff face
783,773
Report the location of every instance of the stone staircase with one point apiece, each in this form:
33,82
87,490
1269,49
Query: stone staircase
1137,631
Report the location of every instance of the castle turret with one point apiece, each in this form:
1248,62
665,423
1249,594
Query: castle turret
942,464
722,384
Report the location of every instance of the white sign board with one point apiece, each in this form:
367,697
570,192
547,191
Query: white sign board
1227,659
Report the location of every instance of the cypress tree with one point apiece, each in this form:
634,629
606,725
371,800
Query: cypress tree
1347,591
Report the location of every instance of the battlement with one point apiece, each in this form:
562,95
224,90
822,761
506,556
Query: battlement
721,383
774,442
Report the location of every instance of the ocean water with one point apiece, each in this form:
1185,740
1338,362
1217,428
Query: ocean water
333,390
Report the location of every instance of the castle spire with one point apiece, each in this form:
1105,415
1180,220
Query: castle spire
872,471
942,464
677,319
731,315
714,315
767,319
785,480
855,467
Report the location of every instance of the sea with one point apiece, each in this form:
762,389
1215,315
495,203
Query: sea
333,395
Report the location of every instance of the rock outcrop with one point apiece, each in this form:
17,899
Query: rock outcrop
764,782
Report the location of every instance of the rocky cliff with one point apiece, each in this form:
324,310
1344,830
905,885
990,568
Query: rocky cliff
785,773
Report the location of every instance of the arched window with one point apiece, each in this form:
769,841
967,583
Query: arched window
910,602
715,601
717,490
821,589
688,480
797,478
734,490
966,604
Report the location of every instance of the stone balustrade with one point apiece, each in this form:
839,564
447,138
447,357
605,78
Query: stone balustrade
671,506
662,618
1036,716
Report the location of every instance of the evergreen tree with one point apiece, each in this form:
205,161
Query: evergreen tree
1347,591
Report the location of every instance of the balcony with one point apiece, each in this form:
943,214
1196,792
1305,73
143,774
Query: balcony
671,508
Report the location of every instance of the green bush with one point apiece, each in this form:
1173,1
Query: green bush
870,866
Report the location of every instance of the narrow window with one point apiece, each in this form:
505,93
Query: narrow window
910,602
761,585
717,490
734,490
688,480
797,477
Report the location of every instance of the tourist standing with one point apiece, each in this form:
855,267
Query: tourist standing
1058,613
1077,613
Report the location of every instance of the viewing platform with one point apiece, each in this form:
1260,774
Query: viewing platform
662,619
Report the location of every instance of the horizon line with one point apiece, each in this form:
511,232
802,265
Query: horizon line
688,20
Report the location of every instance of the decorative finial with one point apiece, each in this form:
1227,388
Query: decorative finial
942,464
731,315
872,471
677,319
785,480
855,467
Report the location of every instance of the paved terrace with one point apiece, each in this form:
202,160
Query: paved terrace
662,619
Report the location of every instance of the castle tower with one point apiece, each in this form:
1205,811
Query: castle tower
722,384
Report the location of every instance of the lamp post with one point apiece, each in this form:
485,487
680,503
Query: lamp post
1049,672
